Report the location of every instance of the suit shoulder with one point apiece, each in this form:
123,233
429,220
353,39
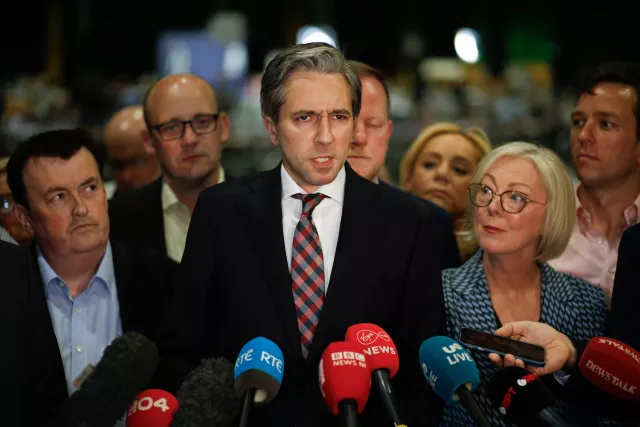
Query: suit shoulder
398,196
137,197
233,187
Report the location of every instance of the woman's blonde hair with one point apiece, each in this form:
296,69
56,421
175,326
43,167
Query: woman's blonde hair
475,135
560,210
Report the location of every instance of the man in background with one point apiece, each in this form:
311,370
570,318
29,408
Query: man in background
132,165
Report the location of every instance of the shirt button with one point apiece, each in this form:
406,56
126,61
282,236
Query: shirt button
79,349
600,240
78,310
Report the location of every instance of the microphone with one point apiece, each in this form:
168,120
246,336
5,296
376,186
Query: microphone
383,361
125,369
207,396
452,374
523,398
345,380
258,374
613,367
152,408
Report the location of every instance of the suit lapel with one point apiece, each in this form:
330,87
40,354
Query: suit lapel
123,270
262,212
156,218
354,253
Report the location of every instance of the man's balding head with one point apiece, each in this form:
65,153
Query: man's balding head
189,154
132,166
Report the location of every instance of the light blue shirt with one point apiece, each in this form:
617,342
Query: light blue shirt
5,236
86,325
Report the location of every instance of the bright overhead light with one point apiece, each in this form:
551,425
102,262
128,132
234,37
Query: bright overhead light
466,43
311,34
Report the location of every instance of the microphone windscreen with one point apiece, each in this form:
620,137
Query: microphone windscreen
447,366
259,365
126,367
376,344
612,367
344,375
519,395
152,408
207,396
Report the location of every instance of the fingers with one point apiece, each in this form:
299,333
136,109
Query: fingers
496,359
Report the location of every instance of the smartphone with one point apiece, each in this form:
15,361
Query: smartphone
530,354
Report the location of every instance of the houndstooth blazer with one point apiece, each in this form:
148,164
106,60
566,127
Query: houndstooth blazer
569,304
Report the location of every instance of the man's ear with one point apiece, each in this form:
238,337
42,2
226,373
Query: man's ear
147,141
270,126
24,217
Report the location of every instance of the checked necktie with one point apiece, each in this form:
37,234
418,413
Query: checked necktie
307,271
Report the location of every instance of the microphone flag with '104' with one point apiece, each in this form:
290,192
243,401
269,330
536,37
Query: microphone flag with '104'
345,380
613,367
383,361
207,397
258,374
126,367
452,374
152,408
523,398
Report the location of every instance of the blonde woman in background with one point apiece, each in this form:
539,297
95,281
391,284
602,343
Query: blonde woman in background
439,166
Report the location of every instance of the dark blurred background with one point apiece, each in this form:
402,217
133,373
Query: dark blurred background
74,62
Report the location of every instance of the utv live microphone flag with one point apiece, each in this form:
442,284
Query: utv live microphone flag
345,380
258,374
523,398
613,367
382,358
452,374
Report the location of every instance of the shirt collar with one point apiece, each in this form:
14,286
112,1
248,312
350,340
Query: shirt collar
105,270
334,190
630,214
170,199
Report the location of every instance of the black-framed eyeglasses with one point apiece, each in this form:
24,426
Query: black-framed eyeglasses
512,201
7,204
174,129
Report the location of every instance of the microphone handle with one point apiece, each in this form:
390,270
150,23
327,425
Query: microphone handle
382,383
474,410
247,405
348,410
551,418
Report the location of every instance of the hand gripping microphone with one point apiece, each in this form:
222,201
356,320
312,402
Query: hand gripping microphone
125,369
258,374
152,408
523,398
345,380
612,367
207,397
383,361
452,374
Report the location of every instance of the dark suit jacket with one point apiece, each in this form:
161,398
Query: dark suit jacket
144,280
235,286
136,217
450,251
33,385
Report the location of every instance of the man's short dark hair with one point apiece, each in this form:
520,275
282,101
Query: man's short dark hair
366,70
626,73
62,144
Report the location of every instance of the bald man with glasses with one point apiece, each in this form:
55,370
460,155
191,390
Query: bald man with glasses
186,130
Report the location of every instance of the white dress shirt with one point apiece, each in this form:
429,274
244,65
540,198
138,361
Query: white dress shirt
326,217
177,218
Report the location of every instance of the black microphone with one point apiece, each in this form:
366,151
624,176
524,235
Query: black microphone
523,398
126,367
207,397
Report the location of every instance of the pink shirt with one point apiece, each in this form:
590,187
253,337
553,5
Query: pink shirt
589,254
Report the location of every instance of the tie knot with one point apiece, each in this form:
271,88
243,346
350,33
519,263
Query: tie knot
309,201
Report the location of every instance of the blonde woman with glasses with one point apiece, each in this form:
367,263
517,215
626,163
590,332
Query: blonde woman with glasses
522,210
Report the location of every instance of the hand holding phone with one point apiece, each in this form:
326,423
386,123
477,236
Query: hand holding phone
488,343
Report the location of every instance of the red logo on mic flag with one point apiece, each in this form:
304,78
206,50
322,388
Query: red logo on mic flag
367,337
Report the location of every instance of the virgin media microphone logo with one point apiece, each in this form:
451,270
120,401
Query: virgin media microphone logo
506,402
367,337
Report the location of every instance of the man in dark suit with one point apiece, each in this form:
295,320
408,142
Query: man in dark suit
186,130
33,384
94,289
368,152
262,249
